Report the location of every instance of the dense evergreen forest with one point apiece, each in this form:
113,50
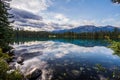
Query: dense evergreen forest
86,35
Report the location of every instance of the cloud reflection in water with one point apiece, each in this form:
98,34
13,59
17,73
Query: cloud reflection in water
53,51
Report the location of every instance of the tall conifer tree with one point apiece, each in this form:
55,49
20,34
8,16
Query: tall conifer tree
5,28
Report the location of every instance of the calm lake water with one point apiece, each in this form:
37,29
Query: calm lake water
65,59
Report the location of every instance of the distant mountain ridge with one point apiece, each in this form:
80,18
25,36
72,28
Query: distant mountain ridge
88,28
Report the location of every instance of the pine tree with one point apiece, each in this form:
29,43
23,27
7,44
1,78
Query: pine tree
5,28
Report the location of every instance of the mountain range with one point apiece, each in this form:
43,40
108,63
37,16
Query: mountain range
88,28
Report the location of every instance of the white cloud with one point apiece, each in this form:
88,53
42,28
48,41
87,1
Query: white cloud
118,24
111,21
81,22
33,6
107,20
89,22
55,17
61,18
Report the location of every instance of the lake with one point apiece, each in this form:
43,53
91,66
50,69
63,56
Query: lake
69,59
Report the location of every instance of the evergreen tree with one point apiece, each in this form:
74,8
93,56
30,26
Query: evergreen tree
5,28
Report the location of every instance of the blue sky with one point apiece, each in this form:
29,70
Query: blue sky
87,9
76,12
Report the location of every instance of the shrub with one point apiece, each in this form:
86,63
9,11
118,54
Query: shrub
4,69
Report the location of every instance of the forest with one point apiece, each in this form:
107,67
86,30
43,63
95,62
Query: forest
84,35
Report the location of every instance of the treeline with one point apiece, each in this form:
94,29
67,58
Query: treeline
89,35
30,34
86,35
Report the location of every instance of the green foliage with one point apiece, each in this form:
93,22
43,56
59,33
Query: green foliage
3,55
15,75
119,36
4,67
5,28
100,67
116,47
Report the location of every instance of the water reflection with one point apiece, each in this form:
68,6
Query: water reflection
69,60
81,42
